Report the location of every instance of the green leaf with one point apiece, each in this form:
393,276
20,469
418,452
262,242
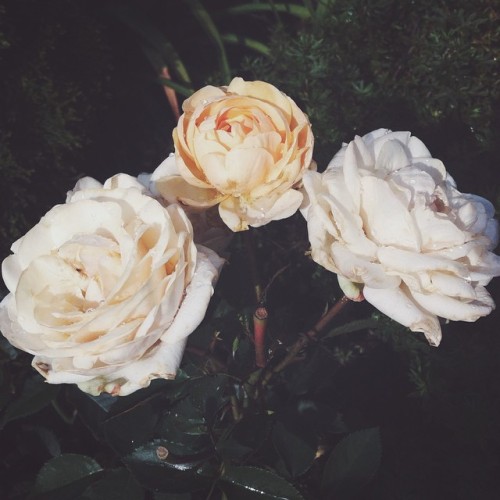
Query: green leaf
36,394
322,7
155,467
203,17
249,43
352,464
249,8
179,88
133,427
297,454
245,438
66,477
116,484
247,483
353,326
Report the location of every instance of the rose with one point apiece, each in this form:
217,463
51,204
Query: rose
386,215
209,229
244,147
105,289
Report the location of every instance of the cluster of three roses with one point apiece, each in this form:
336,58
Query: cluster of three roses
106,288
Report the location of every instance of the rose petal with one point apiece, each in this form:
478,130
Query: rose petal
399,306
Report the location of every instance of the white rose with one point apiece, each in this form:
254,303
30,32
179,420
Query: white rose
105,289
243,147
386,215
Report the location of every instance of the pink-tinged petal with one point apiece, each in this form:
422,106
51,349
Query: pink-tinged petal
399,306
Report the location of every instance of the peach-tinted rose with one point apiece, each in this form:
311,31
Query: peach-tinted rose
244,147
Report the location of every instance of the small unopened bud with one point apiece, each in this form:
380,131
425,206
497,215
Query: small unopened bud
353,291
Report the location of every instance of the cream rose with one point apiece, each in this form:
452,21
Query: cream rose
386,215
105,289
209,229
244,147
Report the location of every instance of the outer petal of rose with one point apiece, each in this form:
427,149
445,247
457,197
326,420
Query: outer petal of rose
123,181
267,209
167,168
396,304
83,183
263,91
314,210
456,309
176,190
202,97
238,216
186,163
418,148
484,267
163,362
198,293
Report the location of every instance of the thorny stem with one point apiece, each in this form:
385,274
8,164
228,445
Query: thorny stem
259,334
260,315
304,340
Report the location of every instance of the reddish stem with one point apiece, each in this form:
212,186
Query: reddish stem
259,335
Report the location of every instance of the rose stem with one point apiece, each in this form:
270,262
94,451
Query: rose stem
304,340
260,314
170,93
259,334
252,260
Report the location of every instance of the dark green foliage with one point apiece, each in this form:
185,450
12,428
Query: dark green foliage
428,67
53,64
